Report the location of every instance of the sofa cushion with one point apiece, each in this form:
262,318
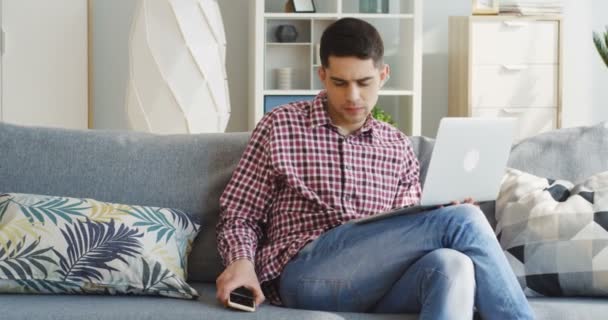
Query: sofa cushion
54,244
555,233
67,307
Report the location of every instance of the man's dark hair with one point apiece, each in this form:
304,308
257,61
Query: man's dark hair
350,37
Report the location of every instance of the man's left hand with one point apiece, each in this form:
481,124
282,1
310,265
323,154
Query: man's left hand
466,200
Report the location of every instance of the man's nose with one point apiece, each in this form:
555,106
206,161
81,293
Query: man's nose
352,93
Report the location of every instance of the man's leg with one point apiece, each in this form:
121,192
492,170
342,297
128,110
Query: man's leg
352,267
440,285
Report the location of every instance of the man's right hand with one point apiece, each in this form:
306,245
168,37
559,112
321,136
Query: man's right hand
239,273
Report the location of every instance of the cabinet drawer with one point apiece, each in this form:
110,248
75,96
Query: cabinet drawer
514,86
530,121
514,42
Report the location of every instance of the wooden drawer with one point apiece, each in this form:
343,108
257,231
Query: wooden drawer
514,86
530,121
514,41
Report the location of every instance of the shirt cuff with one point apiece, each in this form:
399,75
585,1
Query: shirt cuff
239,253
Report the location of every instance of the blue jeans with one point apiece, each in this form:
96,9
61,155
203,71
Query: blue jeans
439,263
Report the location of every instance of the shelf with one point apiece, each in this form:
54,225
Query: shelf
400,29
294,16
316,91
287,43
291,92
336,16
379,15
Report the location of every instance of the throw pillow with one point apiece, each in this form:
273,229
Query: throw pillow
554,233
67,245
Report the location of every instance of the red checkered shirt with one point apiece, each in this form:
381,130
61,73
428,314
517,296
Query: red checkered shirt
299,177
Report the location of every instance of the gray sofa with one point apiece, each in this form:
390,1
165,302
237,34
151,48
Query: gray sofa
189,172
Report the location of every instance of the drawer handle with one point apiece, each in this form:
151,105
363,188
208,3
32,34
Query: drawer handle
510,23
515,67
513,111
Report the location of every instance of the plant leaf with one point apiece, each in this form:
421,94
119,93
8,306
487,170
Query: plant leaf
18,259
4,204
602,46
184,219
47,286
93,245
51,208
154,220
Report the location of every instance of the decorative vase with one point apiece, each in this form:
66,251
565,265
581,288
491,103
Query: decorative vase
177,68
286,33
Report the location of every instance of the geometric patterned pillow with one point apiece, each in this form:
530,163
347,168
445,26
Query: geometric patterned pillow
555,233
82,246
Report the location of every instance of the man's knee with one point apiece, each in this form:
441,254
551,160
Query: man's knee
470,214
454,264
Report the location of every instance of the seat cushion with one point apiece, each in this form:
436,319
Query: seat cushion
68,307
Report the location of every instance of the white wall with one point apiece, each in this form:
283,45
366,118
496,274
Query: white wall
110,33
585,76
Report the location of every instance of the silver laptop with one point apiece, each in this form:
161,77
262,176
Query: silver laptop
468,160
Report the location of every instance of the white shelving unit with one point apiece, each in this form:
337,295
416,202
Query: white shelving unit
400,25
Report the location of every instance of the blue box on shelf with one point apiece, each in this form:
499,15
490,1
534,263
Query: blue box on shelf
273,101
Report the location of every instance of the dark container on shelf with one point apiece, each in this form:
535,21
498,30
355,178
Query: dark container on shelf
286,33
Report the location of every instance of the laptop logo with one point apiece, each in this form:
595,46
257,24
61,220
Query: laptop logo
471,160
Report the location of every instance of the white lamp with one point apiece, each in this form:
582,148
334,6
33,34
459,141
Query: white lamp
177,60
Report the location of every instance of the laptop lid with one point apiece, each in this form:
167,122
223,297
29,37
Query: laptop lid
468,160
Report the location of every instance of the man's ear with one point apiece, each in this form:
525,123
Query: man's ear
322,73
385,74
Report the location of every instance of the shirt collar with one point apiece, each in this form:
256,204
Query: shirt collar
319,116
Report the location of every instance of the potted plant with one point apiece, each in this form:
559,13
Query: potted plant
601,44
382,115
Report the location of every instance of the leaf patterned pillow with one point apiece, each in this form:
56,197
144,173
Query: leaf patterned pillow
82,246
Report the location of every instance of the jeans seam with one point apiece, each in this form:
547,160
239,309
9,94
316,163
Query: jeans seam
509,299
428,273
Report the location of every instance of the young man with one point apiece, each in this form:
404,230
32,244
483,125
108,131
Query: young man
311,167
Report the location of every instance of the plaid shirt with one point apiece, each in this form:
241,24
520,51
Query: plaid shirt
299,177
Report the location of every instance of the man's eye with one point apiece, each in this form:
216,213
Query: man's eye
339,84
363,84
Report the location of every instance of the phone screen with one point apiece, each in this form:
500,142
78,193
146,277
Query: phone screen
242,297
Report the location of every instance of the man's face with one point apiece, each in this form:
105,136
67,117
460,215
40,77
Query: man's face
352,86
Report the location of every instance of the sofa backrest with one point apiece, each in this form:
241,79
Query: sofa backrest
187,172
572,154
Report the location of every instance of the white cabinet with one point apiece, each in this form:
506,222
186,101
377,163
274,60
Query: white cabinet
399,23
506,66
43,63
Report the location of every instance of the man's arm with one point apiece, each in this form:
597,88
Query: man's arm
408,191
242,214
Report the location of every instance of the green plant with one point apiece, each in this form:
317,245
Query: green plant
601,44
382,115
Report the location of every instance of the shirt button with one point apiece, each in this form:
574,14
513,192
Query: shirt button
348,167
347,197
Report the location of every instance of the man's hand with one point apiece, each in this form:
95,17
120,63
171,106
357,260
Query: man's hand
466,200
239,273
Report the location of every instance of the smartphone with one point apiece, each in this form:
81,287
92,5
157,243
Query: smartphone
242,299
